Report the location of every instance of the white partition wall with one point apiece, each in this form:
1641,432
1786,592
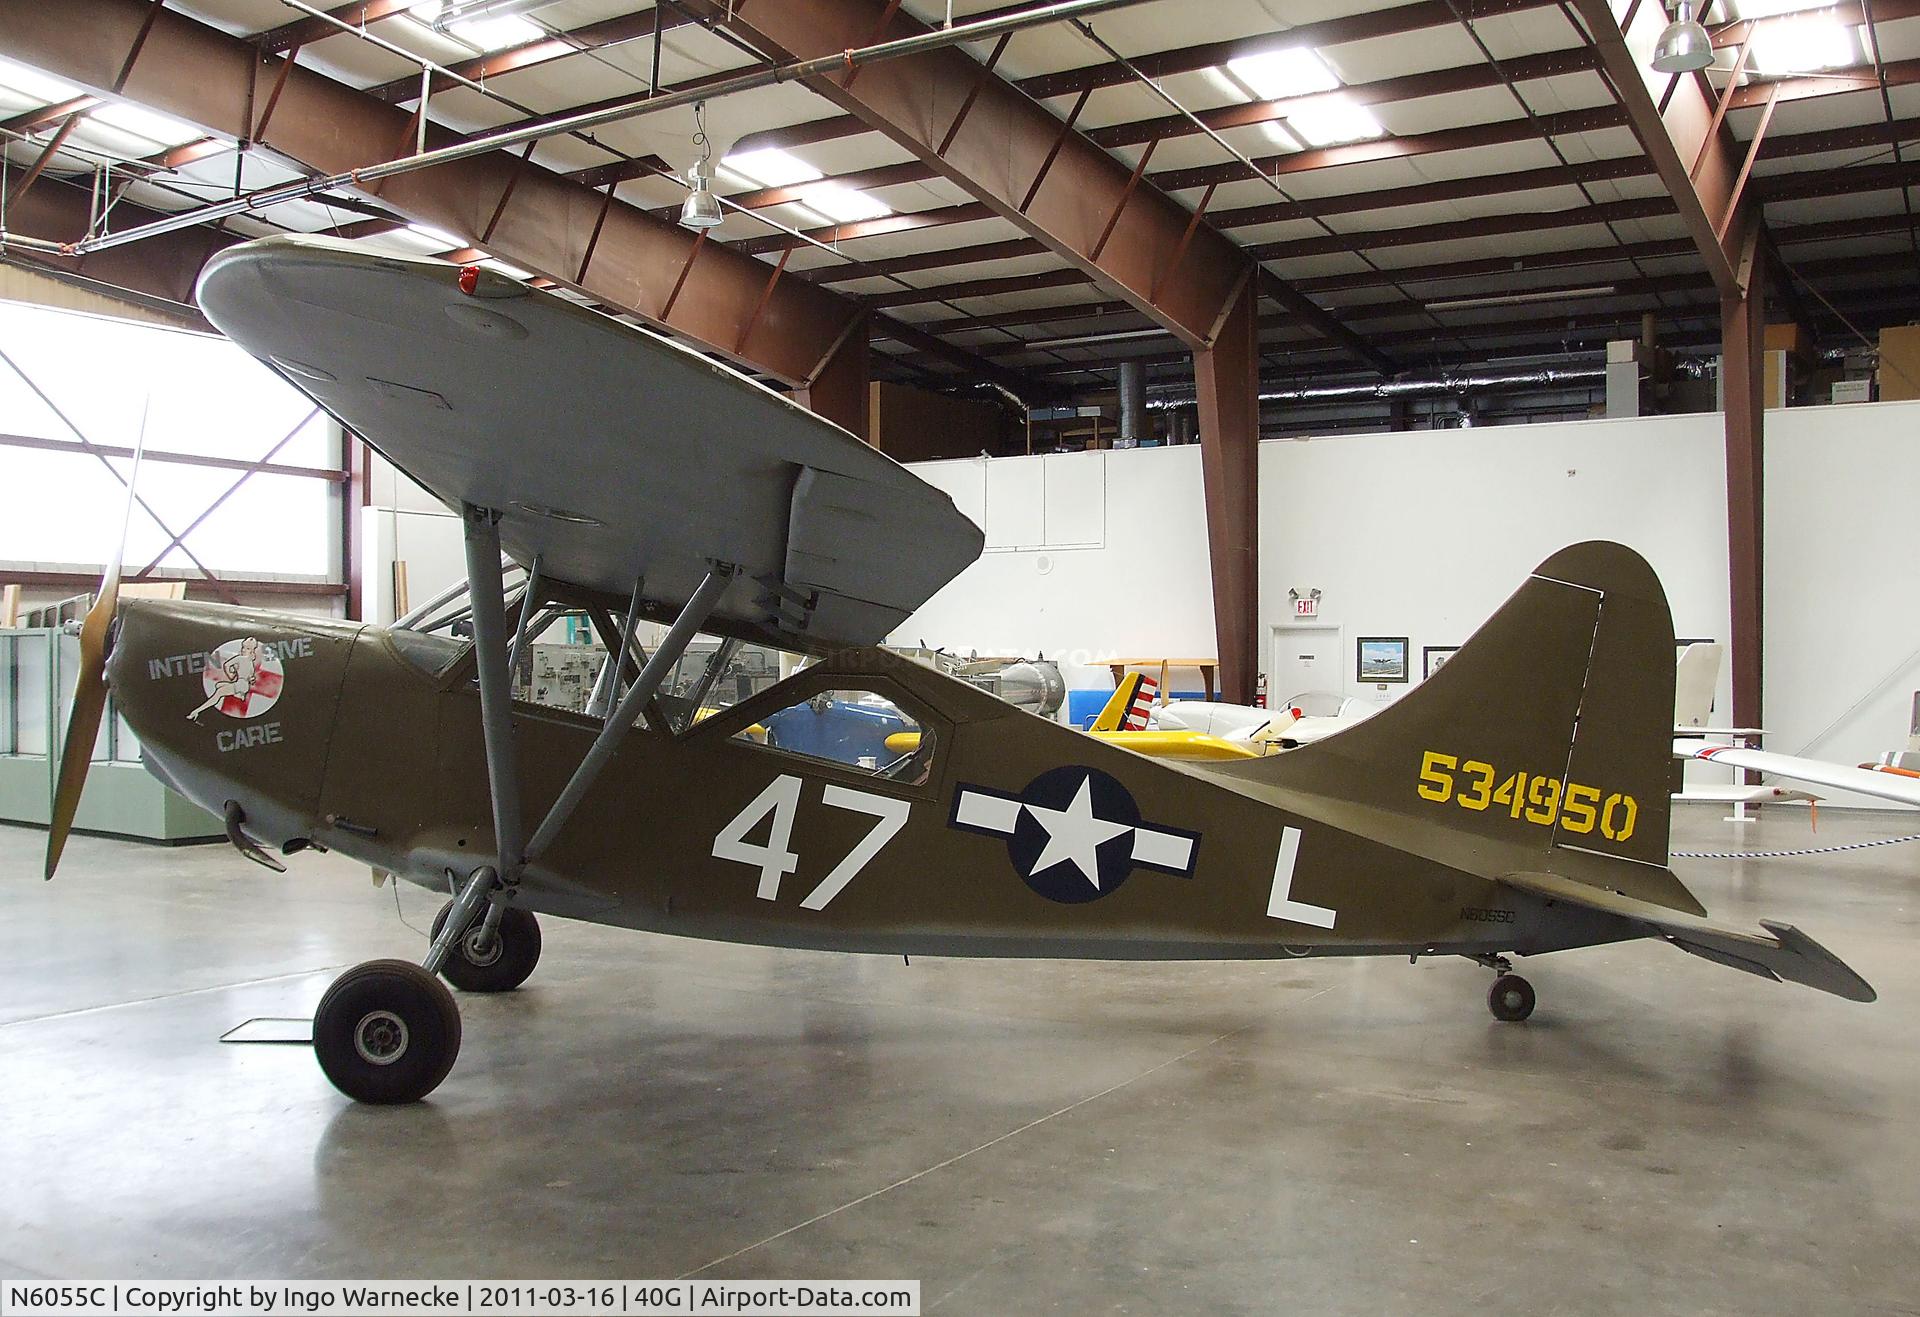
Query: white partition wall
1843,579
1089,556
1423,533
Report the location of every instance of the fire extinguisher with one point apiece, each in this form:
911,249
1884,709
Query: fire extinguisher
1260,691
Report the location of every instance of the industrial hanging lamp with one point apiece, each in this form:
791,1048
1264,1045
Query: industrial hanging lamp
1685,46
702,208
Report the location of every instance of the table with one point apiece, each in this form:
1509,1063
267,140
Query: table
1207,666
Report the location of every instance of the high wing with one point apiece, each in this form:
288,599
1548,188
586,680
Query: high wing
1867,781
613,455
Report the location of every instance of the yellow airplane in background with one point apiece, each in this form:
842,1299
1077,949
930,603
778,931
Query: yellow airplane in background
1123,722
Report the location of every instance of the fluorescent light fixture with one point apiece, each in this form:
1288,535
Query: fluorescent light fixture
1802,45
771,167
511,271
485,33
1521,299
160,129
1274,75
1082,340
30,82
844,205
440,236
1330,120
463,11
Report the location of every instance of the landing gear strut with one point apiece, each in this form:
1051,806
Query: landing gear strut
1511,997
388,1031
495,954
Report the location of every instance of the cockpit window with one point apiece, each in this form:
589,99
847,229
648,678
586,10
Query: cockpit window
715,674
856,728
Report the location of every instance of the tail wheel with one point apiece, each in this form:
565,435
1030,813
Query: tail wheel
1510,998
386,1032
497,964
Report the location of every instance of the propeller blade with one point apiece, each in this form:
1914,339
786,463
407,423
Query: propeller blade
90,688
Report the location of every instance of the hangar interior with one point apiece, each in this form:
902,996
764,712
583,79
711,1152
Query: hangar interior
1263,346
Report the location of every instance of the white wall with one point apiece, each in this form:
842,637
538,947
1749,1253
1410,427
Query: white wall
1843,581
1424,533
404,522
1090,556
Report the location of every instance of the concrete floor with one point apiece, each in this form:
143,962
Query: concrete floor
1350,1136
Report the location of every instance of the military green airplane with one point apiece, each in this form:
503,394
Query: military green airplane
1514,803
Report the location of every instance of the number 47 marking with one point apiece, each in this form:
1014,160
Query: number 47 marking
781,800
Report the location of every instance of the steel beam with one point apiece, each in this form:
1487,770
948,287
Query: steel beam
1227,381
1742,374
1675,122
302,31
1190,59
544,50
1135,132
838,391
999,148
199,74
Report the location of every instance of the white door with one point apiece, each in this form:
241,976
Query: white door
1306,657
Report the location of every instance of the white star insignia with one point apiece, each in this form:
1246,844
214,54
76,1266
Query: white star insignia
1075,833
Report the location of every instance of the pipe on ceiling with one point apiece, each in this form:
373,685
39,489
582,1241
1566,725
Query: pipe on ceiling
1428,386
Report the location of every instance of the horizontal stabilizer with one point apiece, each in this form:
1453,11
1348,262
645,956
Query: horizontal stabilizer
1782,952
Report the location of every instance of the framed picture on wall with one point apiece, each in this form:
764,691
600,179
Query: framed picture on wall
1434,657
1381,658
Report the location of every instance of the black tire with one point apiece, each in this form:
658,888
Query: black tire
386,1032
516,951
1511,998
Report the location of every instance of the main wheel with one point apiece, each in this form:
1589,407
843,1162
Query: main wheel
1510,998
386,1031
501,966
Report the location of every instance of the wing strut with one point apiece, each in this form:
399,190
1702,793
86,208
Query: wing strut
692,617
495,651
481,527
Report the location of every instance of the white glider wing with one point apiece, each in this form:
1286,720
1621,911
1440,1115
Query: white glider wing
1887,786
613,454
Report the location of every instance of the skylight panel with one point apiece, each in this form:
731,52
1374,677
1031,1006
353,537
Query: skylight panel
1275,75
1768,8
1331,120
42,88
484,33
163,130
1801,45
771,167
487,35
845,205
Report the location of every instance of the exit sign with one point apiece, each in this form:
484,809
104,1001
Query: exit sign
1307,607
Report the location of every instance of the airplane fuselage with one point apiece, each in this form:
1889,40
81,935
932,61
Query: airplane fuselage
1023,838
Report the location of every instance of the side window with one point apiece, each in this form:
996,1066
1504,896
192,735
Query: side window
859,729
